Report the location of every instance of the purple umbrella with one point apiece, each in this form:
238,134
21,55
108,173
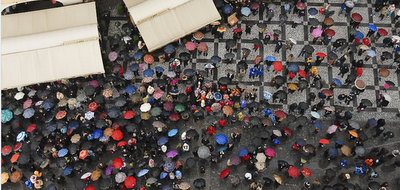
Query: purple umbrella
94,83
235,160
317,32
109,170
172,153
332,129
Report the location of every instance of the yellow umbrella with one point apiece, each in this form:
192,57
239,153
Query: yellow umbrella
292,86
4,177
221,29
314,70
145,116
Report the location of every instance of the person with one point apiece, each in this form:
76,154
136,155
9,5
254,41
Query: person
343,164
341,97
307,185
361,107
373,175
387,135
378,131
278,46
260,71
266,39
315,184
253,72
349,98
343,69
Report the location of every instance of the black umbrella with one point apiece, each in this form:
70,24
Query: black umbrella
327,187
105,183
89,90
280,94
390,83
290,118
72,148
200,182
114,112
254,120
330,173
283,17
332,55
229,55
362,136
218,4
262,25
251,148
48,103
242,65
223,81
155,172
182,98
302,120
24,157
80,184
338,186
185,56
253,105
373,185
309,49
199,114
99,99
87,145
100,123
120,101
268,182
303,105
189,72
360,151
277,31
257,41
215,59
230,43
211,120
264,134
257,141
192,134
333,153
313,22
387,54
366,102
280,80
49,117
349,186
190,162
130,128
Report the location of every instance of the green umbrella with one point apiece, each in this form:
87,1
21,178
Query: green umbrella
156,111
180,107
352,31
18,111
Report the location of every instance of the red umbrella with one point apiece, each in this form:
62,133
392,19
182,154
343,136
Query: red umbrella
270,152
280,113
61,114
356,17
236,30
93,106
129,114
14,158
302,73
89,188
174,116
329,32
366,41
17,146
327,92
255,5
158,94
6,150
168,106
300,5
324,141
278,66
306,172
190,46
224,173
382,32
288,131
117,135
103,115
202,47
122,143
83,154
31,127
294,172
129,182
118,163
321,54
148,58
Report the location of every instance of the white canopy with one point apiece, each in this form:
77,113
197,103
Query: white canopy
48,45
8,3
163,21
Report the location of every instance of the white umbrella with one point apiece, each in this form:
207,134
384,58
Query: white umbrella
120,177
387,97
19,95
72,101
261,157
89,115
86,175
293,40
145,107
32,93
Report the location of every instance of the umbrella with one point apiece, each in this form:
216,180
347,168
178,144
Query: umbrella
353,133
28,113
312,11
169,48
96,174
360,151
277,132
227,8
62,152
278,178
6,115
278,66
332,129
293,172
148,58
272,6
316,32
130,182
270,152
360,84
315,114
337,82
280,114
129,114
190,45
215,59
313,22
200,182
203,152
356,17
359,35
216,107
172,153
221,139
328,21
162,141
117,135
224,173
345,150
202,47
300,5
21,136
16,176
227,110
293,68
148,73
301,142
120,177
270,58
323,141
106,93
138,55
390,83
180,107
245,11
113,112
243,152
366,102
283,17
306,172
382,32
83,154
383,72
387,97
288,131
174,117
4,177
118,163
169,166
327,92
145,107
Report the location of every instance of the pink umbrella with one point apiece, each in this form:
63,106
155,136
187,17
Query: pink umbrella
172,153
112,56
27,103
270,152
386,86
158,94
190,46
332,129
317,32
94,83
174,81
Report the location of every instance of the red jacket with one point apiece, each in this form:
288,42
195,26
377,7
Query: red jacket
359,72
291,75
211,130
222,122
188,90
208,109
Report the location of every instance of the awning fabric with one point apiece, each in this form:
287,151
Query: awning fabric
49,45
163,21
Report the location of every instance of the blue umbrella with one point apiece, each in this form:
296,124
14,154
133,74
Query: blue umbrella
134,67
150,100
222,149
48,103
130,89
338,141
293,68
227,9
312,11
103,139
337,82
28,184
73,125
128,75
243,104
267,95
245,11
28,113
148,72
138,55
142,172
221,139
159,69
267,112
317,125
273,119
169,48
63,129
172,132
62,152
178,173
217,96
163,175
97,134
6,115
169,166
67,171
21,136
243,152
371,53
162,141
359,35
215,59
372,27
333,153
315,114
113,112
397,48
372,122
208,66
301,142
52,126
270,58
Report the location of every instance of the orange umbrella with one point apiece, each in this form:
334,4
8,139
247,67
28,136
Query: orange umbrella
306,172
83,154
227,110
148,58
61,114
14,158
108,132
353,133
95,175
16,176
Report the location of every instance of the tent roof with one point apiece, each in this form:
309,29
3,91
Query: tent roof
163,21
48,45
